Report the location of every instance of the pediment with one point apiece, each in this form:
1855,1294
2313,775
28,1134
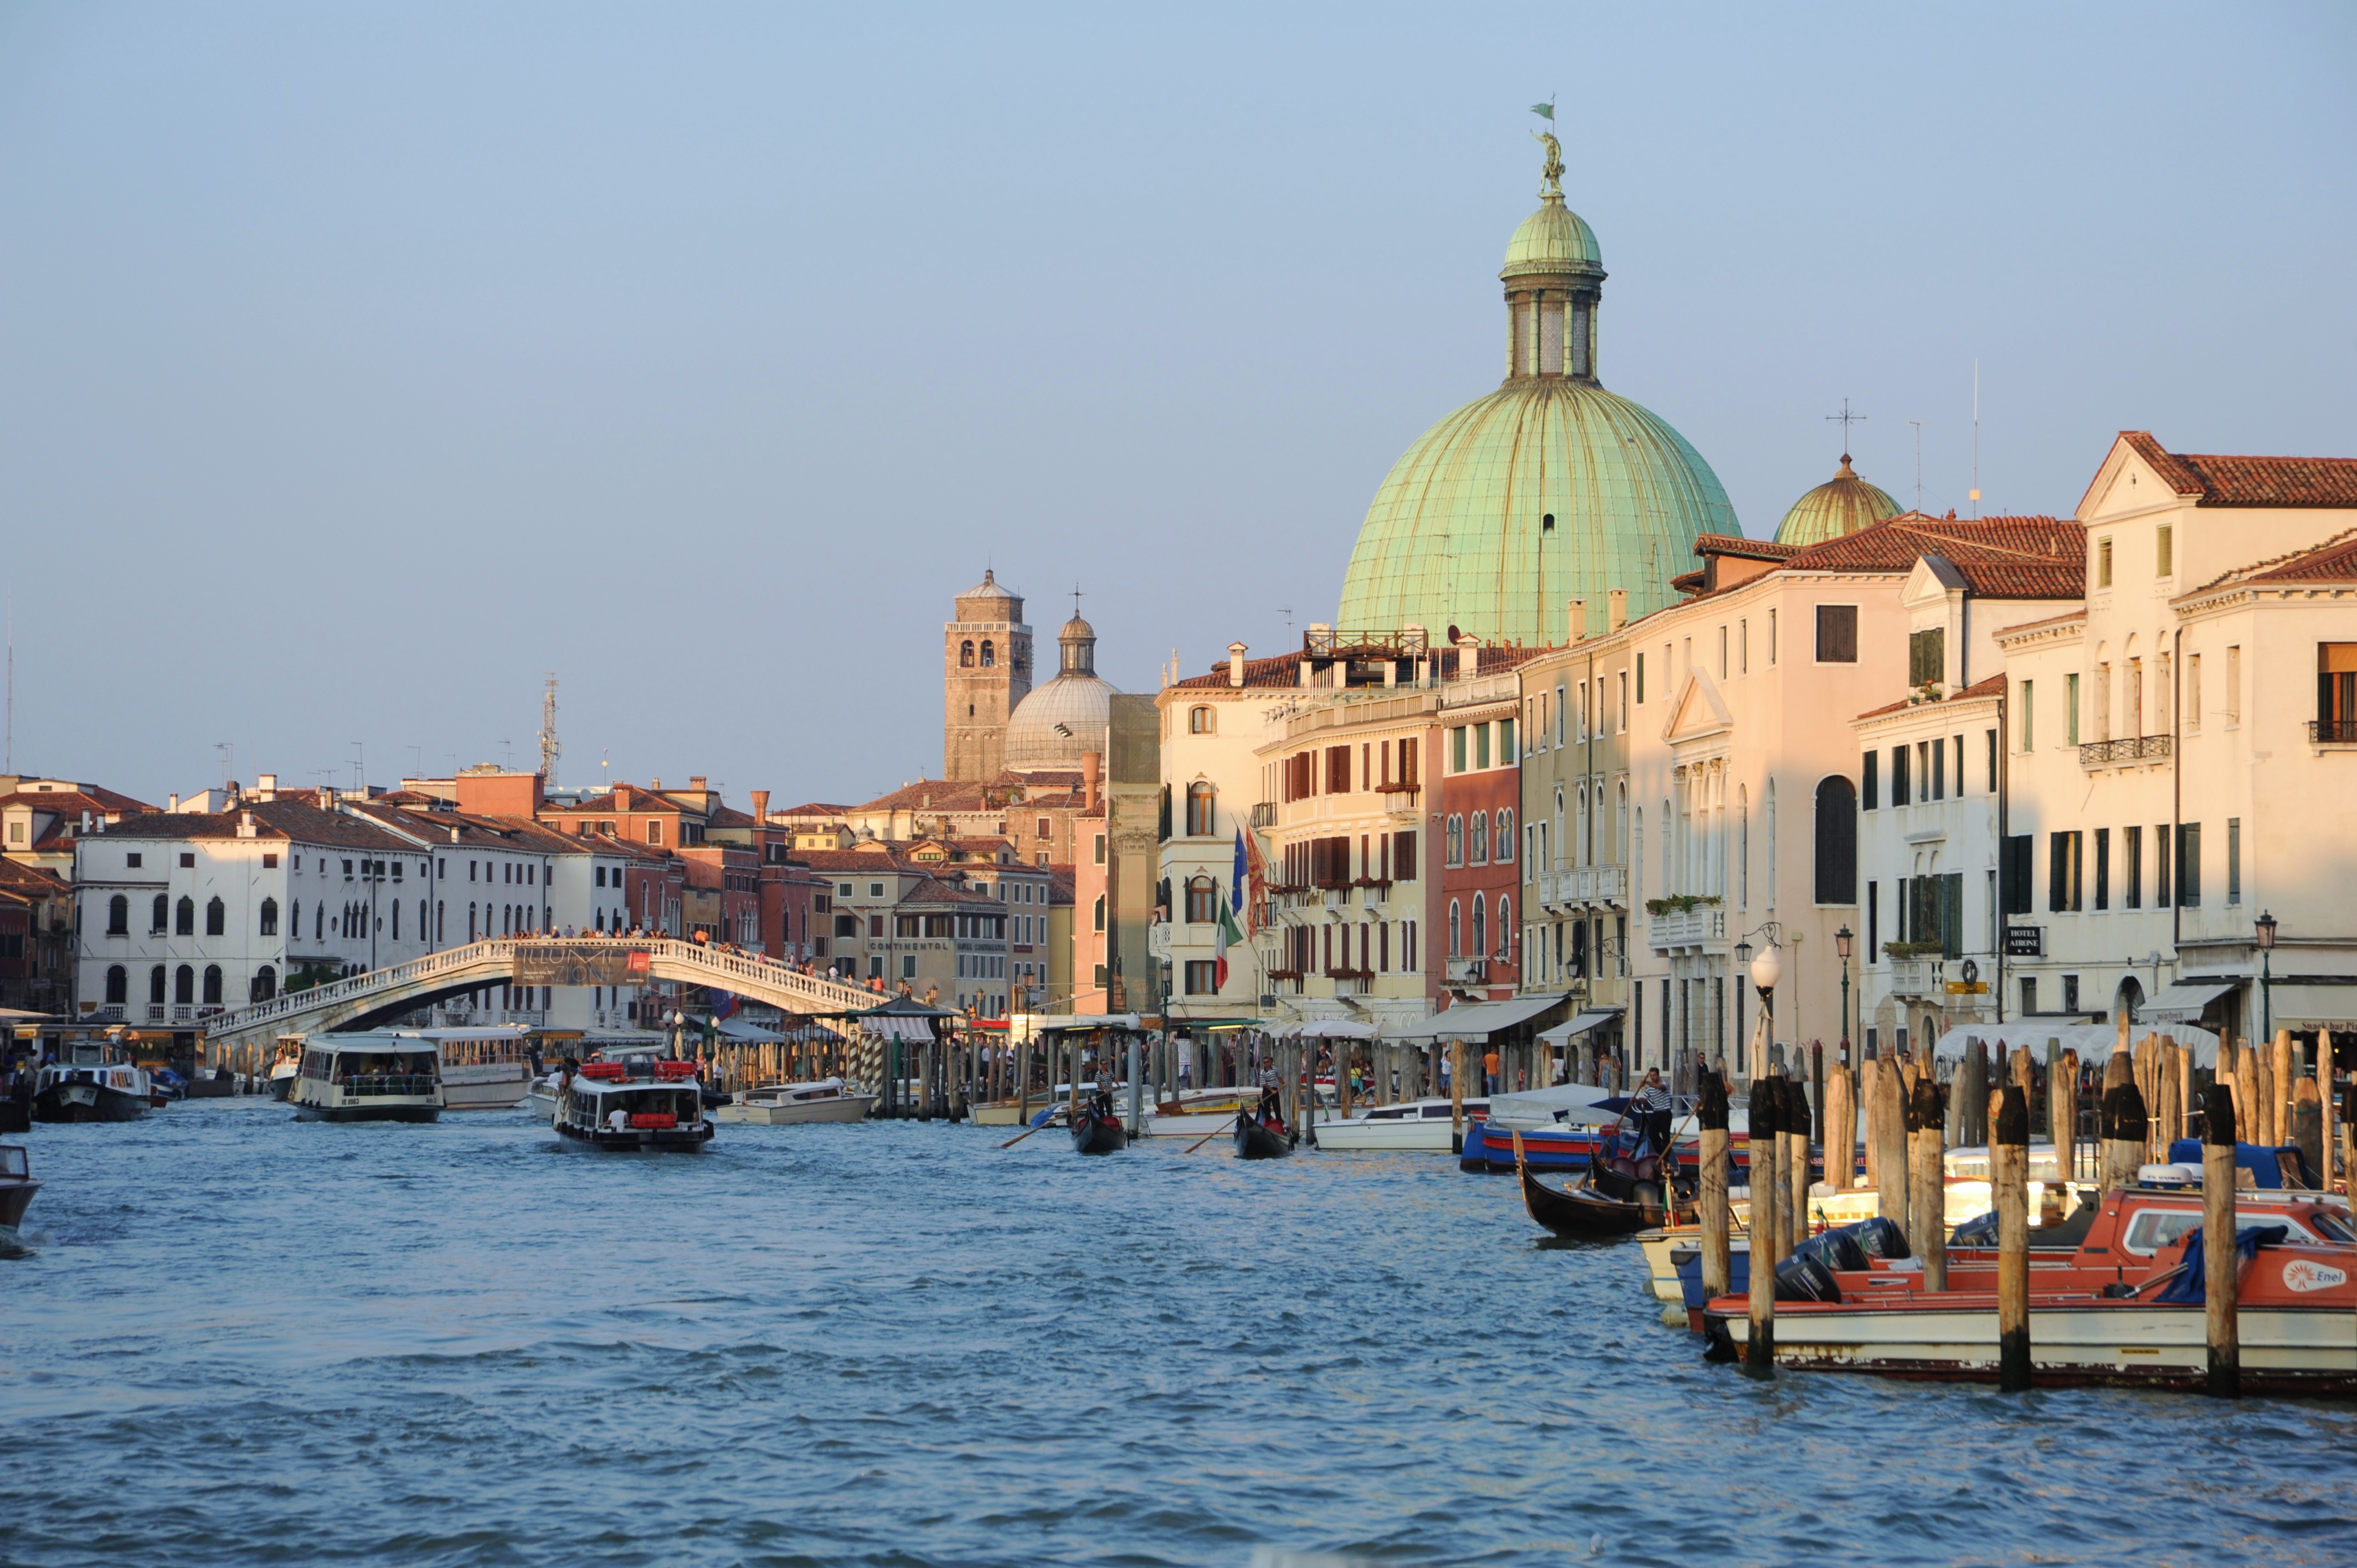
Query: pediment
1699,711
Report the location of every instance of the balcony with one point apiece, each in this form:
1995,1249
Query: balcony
1263,814
2124,753
1915,977
2332,732
1693,927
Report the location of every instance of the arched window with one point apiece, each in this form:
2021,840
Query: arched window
1505,843
397,920
118,985
1099,916
184,985
160,917
965,654
319,922
212,985
1620,824
266,983
1505,926
270,916
421,920
1478,841
156,986
184,917
1202,901
1742,847
1480,927
437,919
1200,721
118,915
1198,810
989,655
216,919
295,920
1456,848
1770,825
1456,929
1836,841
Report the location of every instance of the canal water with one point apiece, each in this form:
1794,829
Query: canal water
237,1338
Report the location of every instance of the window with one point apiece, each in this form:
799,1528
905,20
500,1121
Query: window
1722,653
1836,868
1202,901
270,916
1743,647
1456,841
1456,930
2014,875
989,655
1898,757
1622,678
2193,716
1200,721
132,860
1926,656
1771,640
212,985
1507,754
1402,858
2132,869
2064,852
2103,563
118,915
160,916
1100,849
846,925
2164,552
187,860
2162,851
2029,996
1505,926
1992,763
2069,993
1098,916
654,832
965,654
1937,773
1505,838
2029,708
2071,710
1837,634
2233,685
2233,860
118,985
2102,868
156,984
1641,686
1477,843
875,890
184,985
216,917
2336,691
2188,865
1481,746
1869,781
1203,977
1559,715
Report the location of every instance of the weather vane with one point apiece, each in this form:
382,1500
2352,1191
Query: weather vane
1553,171
1845,419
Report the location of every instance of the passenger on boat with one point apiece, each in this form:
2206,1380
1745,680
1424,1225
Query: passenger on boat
1652,1102
619,1121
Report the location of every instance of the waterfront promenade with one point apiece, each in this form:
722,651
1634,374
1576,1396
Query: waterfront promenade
239,1338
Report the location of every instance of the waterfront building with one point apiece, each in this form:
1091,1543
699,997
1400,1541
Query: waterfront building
1547,490
41,818
36,972
1478,718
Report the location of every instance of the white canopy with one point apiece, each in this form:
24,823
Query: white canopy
2094,1042
2306,1007
1564,1034
2179,1003
1479,1020
1329,1029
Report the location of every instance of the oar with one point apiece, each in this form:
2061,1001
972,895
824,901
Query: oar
1210,1135
1045,1122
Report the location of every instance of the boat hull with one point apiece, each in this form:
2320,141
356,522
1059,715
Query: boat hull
474,1089
1094,1135
281,1086
1254,1142
15,1197
761,1113
641,1140
88,1102
1583,1214
1490,1148
406,1111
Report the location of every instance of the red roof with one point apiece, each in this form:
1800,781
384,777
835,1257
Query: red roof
2223,480
2033,558
1992,687
2334,560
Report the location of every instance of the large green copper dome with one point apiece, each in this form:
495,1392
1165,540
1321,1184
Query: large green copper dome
1843,504
1548,490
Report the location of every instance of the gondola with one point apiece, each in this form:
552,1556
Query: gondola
1095,1132
1258,1141
1607,1202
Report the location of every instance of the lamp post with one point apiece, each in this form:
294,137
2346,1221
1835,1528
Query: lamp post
1842,939
2264,927
1766,971
1742,963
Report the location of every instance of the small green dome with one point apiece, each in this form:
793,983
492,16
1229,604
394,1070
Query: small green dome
1843,504
1555,239
1458,534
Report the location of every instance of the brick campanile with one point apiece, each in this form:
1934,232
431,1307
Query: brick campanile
985,672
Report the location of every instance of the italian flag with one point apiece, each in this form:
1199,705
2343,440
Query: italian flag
1222,934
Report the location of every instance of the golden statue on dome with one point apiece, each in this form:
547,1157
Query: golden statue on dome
1553,172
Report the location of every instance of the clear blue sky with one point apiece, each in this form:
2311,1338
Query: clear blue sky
359,364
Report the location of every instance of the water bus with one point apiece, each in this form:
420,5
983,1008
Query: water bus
94,1084
639,1100
375,1074
485,1069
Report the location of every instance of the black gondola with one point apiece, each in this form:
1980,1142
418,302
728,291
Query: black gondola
1095,1132
1617,1197
1256,1140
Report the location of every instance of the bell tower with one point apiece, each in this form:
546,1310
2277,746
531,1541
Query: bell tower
986,670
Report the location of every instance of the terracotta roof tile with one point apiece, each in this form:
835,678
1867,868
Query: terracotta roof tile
2032,557
1749,549
2232,480
2334,560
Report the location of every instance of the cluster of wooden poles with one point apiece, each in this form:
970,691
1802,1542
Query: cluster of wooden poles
2147,1091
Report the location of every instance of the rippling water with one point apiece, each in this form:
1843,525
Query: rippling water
239,1338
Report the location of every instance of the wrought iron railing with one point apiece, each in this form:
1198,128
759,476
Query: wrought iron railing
2112,753
2332,732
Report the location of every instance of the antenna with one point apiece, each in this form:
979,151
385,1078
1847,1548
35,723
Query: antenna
1976,438
360,769
1845,419
1287,611
549,749
1919,462
228,750
11,763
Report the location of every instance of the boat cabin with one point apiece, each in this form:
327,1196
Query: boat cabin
377,1074
639,1100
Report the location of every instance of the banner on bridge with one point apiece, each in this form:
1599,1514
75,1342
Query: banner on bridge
571,965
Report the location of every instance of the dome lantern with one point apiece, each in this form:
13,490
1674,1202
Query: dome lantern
1553,277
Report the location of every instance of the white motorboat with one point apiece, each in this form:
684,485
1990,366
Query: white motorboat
487,1069
1417,1126
375,1074
98,1083
790,1104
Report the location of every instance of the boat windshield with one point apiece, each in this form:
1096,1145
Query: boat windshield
14,1162
399,1072
2155,1228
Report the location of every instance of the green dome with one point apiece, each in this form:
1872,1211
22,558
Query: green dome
1555,239
1548,490
1843,504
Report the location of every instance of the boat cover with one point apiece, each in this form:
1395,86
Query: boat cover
2094,1042
2189,1286
2265,1164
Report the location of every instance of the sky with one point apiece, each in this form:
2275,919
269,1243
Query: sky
360,366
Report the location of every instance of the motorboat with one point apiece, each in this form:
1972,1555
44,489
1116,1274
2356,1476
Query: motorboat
1419,1126
789,1104
94,1084
17,1185
1198,1113
1262,1140
483,1068
1096,1130
2115,1299
373,1075
1565,1126
637,1101
286,1065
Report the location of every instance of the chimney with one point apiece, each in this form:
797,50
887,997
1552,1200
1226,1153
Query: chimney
1305,672
1092,765
1469,656
1236,652
695,781
267,785
454,836
1617,599
1578,620
760,805
327,797
172,802
245,829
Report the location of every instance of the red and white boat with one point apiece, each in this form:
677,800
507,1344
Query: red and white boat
2095,1312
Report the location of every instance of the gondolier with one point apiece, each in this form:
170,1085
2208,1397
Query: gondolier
1272,1090
1652,1105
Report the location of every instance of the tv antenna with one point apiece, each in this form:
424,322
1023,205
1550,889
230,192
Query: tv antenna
1976,438
1919,462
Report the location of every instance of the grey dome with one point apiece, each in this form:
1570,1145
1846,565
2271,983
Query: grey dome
1052,727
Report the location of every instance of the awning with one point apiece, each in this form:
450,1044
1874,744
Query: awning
1564,1034
737,1032
1043,1023
2179,1003
1479,1020
2305,1007
2094,1042
1329,1029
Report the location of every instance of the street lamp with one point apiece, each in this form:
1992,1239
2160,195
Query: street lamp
2264,927
1842,939
1766,971
1742,962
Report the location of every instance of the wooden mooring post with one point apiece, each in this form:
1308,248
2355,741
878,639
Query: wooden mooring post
1796,1160
1710,1110
2219,1257
2010,1192
1767,1135
1927,1229
2123,1125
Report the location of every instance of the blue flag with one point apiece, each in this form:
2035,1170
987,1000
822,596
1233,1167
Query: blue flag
1237,898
